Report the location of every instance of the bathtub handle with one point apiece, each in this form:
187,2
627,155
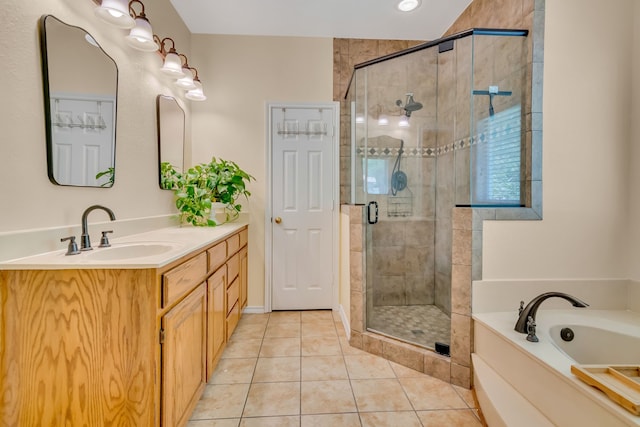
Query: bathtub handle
531,330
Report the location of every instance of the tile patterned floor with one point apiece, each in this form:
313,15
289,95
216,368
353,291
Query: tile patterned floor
297,369
419,324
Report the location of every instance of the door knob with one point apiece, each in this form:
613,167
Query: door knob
278,220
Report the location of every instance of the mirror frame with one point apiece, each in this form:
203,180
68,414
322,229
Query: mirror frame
47,100
159,99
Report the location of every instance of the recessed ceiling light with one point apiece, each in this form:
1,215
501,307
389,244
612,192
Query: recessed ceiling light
408,5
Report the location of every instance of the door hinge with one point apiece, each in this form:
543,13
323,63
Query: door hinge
162,336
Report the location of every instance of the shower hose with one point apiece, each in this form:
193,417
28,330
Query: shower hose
398,178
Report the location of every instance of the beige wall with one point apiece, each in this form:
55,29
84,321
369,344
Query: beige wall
587,129
633,231
241,74
29,200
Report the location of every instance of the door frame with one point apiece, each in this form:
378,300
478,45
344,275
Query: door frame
335,207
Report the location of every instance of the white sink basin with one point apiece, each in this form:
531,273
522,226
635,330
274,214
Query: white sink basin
126,251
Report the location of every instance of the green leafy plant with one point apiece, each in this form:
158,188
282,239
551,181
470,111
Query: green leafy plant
110,174
197,188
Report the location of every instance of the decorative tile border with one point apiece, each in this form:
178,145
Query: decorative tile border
420,151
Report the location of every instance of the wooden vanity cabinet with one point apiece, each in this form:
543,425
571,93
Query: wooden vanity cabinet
243,276
183,357
130,347
216,317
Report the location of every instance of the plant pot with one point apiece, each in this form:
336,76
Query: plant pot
218,212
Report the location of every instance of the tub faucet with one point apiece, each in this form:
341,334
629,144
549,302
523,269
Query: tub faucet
85,242
529,312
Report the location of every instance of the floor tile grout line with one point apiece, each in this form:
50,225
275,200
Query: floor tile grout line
343,356
246,399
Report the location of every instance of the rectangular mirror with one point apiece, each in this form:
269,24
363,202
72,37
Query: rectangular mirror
80,89
171,121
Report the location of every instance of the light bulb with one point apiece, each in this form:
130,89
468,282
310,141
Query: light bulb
141,36
408,5
116,13
172,65
186,82
196,94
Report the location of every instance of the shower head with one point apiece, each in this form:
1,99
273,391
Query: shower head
410,105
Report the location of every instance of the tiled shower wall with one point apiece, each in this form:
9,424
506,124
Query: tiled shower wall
346,54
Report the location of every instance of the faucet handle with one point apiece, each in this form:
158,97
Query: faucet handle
104,240
531,330
521,309
72,249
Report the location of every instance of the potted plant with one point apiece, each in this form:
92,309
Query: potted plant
203,185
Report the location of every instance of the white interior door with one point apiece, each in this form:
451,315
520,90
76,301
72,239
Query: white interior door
303,206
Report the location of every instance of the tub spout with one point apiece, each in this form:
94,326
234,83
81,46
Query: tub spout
530,310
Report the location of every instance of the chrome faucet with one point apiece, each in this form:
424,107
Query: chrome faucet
85,242
527,315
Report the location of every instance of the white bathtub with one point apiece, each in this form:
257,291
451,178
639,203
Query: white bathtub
520,383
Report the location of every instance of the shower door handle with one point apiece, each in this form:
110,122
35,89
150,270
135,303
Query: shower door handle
375,219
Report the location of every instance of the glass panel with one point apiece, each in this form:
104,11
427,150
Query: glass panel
423,141
497,151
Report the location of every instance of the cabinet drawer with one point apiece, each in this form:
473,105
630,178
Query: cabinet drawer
181,279
233,293
233,267
217,255
232,319
244,237
233,244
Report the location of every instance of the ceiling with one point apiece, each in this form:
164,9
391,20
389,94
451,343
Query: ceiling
367,19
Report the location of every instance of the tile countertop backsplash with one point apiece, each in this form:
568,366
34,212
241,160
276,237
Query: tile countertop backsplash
182,241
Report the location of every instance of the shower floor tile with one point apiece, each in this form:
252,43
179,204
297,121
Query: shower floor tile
418,324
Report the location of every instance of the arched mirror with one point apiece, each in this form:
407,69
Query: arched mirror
170,135
80,91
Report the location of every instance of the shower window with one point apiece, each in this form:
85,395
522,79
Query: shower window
377,175
498,158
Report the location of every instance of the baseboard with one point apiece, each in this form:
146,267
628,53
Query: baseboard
253,310
345,321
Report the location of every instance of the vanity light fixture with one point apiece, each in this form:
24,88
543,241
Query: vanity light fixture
196,94
186,82
383,120
141,36
172,65
116,13
408,5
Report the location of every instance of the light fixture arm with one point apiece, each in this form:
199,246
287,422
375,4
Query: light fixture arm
161,45
186,65
132,11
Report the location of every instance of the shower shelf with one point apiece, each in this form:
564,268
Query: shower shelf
400,205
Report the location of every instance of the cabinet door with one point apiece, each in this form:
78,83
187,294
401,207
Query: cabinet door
216,315
244,259
183,357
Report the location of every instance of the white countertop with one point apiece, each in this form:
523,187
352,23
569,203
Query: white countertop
182,241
